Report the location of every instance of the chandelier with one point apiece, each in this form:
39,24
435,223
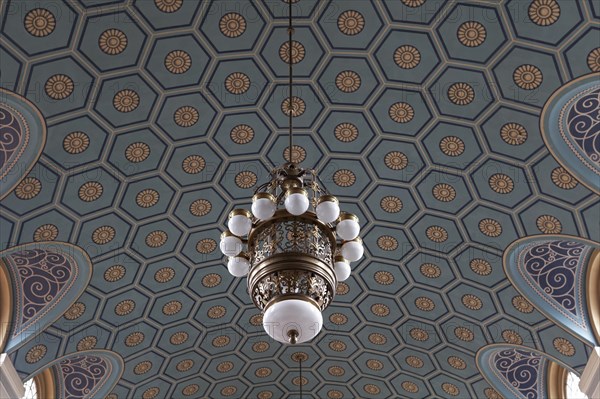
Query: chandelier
293,246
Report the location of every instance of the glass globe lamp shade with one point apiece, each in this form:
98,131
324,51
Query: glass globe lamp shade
239,265
341,267
352,250
348,227
292,321
230,244
328,208
263,206
296,201
240,222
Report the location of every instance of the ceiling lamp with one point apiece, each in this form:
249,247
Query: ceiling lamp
294,246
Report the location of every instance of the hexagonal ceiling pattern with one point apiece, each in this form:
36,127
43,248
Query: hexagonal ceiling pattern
422,116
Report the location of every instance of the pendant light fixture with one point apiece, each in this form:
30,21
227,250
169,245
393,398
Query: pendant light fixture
294,246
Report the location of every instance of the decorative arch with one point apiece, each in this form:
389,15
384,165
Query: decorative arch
520,372
570,126
39,282
560,276
22,139
81,375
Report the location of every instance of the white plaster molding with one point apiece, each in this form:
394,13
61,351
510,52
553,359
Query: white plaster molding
11,386
590,378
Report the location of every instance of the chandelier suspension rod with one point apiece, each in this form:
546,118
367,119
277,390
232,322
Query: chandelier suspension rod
300,360
290,107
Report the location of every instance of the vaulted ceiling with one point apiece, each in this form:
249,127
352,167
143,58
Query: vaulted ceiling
421,116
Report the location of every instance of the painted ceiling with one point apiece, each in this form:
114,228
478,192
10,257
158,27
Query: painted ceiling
421,116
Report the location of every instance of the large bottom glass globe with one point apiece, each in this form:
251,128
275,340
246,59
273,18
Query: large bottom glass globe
292,314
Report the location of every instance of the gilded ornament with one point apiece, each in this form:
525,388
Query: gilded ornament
338,318
256,320
59,87
172,307
548,224
186,116
246,179
297,106
372,389
401,112
206,245
36,353
391,204
164,274
346,132
563,179
300,381
334,394
211,280
184,365
224,367
380,310
501,183
452,146
193,164
450,389
298,52
407,57
443,192
492,394
347,81
414,361
593,60
384,278
151,393
260,346
413,3
424,304
436,234
344,178
134,339
490,227
263,372
178,62
147,198
544,12
75,311
168,6
480,266
337,346
112,41
471,302
377,339
156,239
124,307
46,232
142,367
28,188
221,341
471,34
126,101
464,334
513,133
395,160
191,389
90,191
430,270
461,93
419,334
512,337
242,134
103,235
387,243
410,386
528,77
351,22
137,152
342,288
457,363
522,304
237,83
336,371
232,24
76,142
39,22
216,312
114,273
564,346
179,338
298,154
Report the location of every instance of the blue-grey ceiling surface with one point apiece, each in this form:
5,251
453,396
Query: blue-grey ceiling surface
422,116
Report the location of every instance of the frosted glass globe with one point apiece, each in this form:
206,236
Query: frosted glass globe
263,206
296,201
328,209
230,245
292,314
348,227
238,266
240,222
341,267
353,250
